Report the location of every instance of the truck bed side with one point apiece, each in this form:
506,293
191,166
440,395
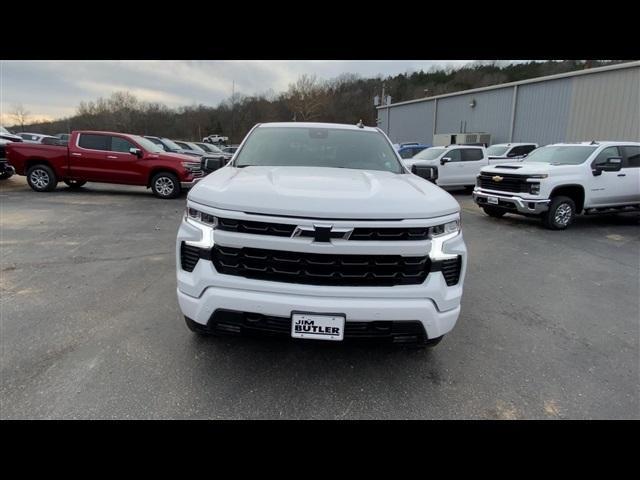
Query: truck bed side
22,155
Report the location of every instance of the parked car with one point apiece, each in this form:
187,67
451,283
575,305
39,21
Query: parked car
210,148
105,157
231,149
6,137
510,150
452,166
33,137
215,139
317,231
410,149
559,181
170,146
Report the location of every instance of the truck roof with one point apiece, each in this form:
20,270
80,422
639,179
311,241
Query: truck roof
595,143
344,126
512,144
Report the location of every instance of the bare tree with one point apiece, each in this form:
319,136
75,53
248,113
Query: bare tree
307,98
20,115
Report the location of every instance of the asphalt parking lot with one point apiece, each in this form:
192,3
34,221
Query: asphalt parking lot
90,325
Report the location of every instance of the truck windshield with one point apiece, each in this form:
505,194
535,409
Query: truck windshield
147,144
429,154
318,147
497,150
561,154
171,145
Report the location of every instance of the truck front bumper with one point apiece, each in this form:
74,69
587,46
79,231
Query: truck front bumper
191,183
512,204
214,299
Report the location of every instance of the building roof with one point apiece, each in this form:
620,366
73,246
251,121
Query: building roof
588,71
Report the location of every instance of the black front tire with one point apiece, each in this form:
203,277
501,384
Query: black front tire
42,178
198,328
75,183
494,212
165,185
562,211
6,175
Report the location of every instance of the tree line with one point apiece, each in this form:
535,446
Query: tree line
345,99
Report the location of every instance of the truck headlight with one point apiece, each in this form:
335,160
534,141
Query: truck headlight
445,229
535,189
191,166
201,217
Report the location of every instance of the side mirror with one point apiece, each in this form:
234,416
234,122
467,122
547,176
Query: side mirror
445,160
135,151
211,164
613,164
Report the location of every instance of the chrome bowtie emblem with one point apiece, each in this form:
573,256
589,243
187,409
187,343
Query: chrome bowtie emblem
497,178
322,232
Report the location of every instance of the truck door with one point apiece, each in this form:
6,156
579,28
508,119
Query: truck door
88,155
120,164
449,172
472,160
608,188
629,174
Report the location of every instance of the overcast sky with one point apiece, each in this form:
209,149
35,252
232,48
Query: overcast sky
53,89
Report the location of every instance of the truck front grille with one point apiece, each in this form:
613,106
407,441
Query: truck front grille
504,182
286,230
320,269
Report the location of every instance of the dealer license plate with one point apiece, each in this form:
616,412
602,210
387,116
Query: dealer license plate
493,200
317,327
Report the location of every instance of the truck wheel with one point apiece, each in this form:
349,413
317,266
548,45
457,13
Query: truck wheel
561,212
165,185
75,183
41,178
6,175
494,212
197,327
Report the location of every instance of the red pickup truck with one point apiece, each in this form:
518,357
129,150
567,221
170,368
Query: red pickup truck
105,157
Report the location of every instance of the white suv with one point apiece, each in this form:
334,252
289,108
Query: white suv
559,181
317,231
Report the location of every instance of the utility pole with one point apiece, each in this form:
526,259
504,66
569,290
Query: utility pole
233,107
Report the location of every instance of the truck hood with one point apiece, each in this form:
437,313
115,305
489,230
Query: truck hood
320,192
520,168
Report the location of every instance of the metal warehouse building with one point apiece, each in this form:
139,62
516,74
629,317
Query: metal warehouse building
596,104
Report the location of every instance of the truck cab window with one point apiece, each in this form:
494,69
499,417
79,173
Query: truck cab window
471,154
121,145
606,153
94,142
454,155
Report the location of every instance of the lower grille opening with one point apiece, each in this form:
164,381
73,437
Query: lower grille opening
245,323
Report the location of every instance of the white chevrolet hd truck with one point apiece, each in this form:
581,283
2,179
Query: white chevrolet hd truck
317,231
559,181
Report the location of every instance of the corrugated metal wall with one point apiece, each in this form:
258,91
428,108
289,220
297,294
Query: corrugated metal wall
411,123
600,105
542,111
605,106
492,113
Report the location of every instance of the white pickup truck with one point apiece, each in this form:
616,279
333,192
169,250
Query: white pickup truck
451,166
317,231
559,181
216,139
